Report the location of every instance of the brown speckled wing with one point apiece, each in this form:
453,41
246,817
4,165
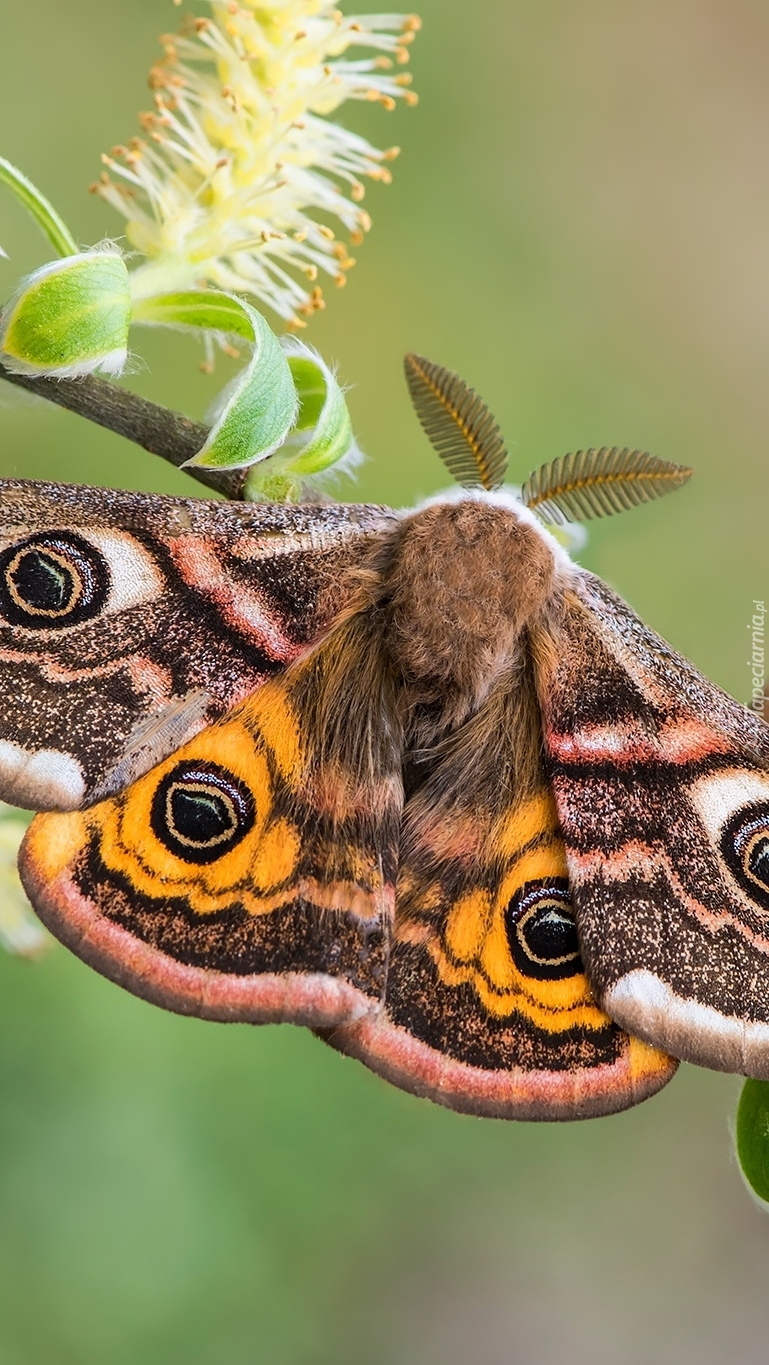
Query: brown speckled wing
662,789
129,622
251,876
487,1008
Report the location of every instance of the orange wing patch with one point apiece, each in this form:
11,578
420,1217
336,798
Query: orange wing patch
231,785
488,1008
488,934
476,943
250,875
204,825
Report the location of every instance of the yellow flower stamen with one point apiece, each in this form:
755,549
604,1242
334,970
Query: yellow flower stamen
240,153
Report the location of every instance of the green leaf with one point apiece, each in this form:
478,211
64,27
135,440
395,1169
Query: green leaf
752,1136
258,409
321,437
69,318
285,416
323,412
196,310
42,210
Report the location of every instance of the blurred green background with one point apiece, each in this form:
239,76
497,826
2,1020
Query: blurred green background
579,224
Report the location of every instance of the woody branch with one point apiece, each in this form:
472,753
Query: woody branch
158,430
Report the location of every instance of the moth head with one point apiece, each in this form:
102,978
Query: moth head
470,575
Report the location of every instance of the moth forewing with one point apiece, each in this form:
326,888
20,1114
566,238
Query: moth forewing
129,622
661,783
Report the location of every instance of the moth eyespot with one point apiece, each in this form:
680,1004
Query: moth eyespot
51,580
542,932
745,846
200,811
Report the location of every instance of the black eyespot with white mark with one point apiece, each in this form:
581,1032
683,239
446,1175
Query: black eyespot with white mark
745,846
542,932
200,811
51,580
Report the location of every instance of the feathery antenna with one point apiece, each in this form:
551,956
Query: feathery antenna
458,424
597,483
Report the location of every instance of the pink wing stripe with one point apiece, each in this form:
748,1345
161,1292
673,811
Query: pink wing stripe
241,607
677,741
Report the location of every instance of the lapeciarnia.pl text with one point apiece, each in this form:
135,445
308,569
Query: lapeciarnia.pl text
756,660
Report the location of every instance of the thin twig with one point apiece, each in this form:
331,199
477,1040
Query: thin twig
159,430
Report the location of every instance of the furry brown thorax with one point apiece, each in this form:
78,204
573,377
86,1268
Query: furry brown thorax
456,584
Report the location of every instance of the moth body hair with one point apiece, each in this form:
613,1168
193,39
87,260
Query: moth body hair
465,579
431,641
507,497
491,761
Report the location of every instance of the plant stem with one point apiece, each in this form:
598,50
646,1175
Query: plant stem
159,430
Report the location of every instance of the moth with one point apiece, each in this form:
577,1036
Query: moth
412,779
